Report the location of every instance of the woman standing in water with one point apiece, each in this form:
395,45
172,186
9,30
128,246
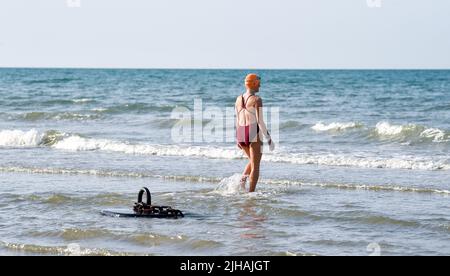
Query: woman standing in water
250,125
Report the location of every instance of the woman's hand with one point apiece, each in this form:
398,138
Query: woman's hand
271,145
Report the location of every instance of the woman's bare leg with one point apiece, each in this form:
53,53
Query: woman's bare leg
248,168
255,161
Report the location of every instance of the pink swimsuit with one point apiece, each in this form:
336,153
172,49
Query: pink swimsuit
246,134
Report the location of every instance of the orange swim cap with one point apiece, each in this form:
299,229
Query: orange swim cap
252,81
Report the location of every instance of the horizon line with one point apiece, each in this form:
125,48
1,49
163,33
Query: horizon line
218,68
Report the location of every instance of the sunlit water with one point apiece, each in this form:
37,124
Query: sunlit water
363,163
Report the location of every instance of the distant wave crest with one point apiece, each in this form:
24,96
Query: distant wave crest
72,142
386,131
335,126
19,138
411,132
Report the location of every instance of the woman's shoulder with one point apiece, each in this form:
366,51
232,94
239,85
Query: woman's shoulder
258,99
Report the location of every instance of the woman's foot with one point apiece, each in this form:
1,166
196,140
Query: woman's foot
244,182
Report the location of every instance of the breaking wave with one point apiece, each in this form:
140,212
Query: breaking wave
411,132
386,131
335,126
67,142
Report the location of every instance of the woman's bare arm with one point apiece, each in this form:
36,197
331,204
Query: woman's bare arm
261,123
237,119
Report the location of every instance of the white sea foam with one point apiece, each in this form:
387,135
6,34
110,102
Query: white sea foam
76,143
386,129
106,173
33,138
82,100
19,138
335,126
100,109
230,186
406,162
411,131
388,188
436,134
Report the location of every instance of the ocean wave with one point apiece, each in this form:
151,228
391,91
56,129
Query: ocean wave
437,135
83,100
77,143
19,138
164,123
105,199
290,125
411,132
73,234
30,138
79,101
107,173
344,186
47,103
58,116
385,131
51,81
406,162
226,186
137,108
76,234
62,141
70,250
320,127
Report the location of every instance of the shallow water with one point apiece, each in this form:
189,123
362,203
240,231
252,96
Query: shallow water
363,162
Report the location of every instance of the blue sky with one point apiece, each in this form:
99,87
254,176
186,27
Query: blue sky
309,34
